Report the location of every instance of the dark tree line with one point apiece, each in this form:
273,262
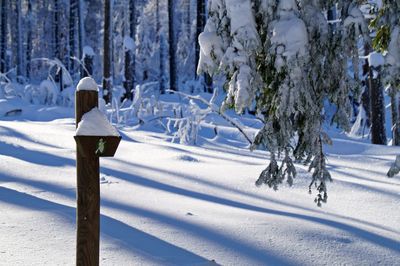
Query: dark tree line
119,43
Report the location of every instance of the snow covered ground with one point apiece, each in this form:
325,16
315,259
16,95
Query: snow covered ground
170,204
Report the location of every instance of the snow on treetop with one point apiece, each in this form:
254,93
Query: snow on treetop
242,20
87,84
87,50
290,38
287,5
129,43
376,59
355,17
94,123
393,55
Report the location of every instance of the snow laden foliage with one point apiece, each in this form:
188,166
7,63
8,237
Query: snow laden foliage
187,127
145,103
288,59
387,41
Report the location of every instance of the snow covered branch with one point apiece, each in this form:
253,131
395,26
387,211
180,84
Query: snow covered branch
216,110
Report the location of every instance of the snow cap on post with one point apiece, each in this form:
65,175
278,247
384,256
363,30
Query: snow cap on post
87,84
95,123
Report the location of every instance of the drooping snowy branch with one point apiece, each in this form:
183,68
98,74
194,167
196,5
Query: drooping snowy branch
287,59
213,108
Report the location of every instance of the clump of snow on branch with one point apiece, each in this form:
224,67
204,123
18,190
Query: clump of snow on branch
288,64
129,43
88,51
189,125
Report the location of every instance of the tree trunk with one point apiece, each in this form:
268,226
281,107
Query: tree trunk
394,105
29,40
128,74
377,107
107,52
376,103
80,42
3,36
365,97
20,59
172,47
160,44
129,71
73,17
332,17
132,31
57,42
200,23
88,57
200,18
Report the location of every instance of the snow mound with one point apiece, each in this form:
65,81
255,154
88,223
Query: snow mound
94,123
87,84
10,108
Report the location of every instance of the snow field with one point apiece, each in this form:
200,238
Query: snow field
169,204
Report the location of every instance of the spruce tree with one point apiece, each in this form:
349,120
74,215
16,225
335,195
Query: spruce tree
387,40
284,57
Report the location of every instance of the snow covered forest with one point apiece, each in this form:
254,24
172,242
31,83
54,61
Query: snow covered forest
218,103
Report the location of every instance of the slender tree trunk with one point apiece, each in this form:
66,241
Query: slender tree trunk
128,82
365,97
332,17
107,52
20,59
172,47
56,23
377,107
199,29
130,54
73,18
88,57
57,42
200,23
375,102
394,105
3,36
132,31
29,39
80,44
160,44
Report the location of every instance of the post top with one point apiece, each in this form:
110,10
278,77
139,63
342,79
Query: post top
87,84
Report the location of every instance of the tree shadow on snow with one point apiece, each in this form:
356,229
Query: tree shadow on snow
133,240
34,156
147,182
245,250
353,230
239,247
7,131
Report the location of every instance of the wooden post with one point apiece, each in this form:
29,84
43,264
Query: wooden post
88,191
